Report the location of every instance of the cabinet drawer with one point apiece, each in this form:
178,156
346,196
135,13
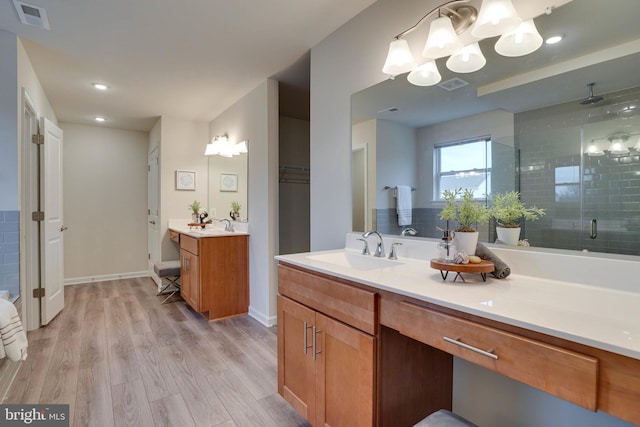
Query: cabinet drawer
174,236
569,375
349,304
189,244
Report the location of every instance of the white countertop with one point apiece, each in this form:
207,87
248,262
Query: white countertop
600,317
211,230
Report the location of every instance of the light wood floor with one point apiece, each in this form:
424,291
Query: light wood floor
120,358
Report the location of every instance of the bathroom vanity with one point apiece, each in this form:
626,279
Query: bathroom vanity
214,268
364,341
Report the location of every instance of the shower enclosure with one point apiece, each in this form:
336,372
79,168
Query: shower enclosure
581,162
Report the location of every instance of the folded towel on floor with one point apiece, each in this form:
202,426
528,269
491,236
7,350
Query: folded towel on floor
502,270
403,204
12,335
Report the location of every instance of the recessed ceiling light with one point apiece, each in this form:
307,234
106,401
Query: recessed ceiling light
554,39
100,86
100,119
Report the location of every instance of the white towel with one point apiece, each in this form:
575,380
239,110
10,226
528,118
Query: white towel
12,335
403,204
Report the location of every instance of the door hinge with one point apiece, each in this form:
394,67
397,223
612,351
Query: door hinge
38,293
148,256
148,168
37,216
37,139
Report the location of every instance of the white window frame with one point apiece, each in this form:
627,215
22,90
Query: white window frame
438,173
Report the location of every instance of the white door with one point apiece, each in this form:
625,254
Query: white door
153,214
52,241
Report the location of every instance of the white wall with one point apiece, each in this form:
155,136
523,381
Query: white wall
105,202
346,62
396,160
182,144
255,118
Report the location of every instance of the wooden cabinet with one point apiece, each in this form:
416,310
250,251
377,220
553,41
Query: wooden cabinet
558,371
215,275
326,368
190,278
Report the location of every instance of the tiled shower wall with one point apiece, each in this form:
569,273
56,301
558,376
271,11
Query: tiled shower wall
10,252
608,187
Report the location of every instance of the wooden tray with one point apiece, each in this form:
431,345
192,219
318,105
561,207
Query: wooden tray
482,268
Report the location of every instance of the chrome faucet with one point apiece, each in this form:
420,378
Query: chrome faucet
410,231
380,247
228,226
392,254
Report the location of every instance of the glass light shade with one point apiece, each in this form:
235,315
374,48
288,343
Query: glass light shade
242,147
617,147
211,149
399,59
593,151
442,39
521,41
495,17
467,60
426,74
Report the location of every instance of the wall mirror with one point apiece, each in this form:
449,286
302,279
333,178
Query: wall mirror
578,160
228,178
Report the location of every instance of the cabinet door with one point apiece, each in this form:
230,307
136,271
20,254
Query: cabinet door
190,279
345,366
296,368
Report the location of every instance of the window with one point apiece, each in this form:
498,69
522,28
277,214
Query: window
465,164
567,184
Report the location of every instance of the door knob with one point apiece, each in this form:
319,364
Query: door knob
152,222
63,228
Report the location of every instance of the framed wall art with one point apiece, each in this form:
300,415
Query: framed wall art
228,182
185,180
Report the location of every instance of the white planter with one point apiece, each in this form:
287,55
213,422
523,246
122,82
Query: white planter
508,236
466,241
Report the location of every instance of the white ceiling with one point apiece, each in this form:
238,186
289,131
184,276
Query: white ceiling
188,59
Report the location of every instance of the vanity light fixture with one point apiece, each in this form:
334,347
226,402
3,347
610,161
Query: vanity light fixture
100,86
496,17
222,146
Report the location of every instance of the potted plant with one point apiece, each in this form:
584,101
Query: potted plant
195,211
235,210
466,212
508,210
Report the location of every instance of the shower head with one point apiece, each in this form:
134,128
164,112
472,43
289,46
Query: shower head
591,99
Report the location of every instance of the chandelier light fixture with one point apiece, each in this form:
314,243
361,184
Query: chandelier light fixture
496,18
222,146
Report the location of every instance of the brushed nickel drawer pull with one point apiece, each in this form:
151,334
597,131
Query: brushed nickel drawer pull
457,342
306,345
315,333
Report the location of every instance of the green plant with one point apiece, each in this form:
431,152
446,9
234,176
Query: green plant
195,207
235,206
507,209
466,211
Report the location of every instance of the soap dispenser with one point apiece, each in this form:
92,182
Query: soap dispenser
446,249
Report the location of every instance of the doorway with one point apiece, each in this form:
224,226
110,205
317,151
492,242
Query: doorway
42,217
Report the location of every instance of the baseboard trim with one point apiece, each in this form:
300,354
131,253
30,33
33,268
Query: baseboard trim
267,321
105,277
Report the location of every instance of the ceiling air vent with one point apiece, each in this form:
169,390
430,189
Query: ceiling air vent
453,84
32,15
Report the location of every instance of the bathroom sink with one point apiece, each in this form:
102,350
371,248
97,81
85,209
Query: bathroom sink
354,260
210,232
